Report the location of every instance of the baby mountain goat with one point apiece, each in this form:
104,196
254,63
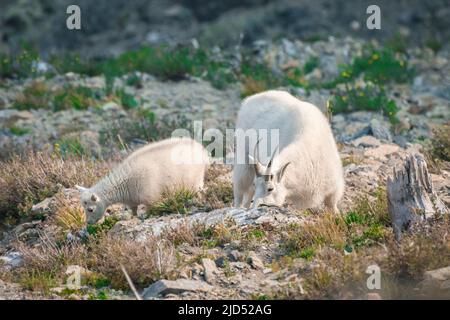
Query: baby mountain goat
145,174
307,170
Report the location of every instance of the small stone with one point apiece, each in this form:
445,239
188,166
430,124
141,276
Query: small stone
73,269
255,261
366,142
163,287
112,107
210,270
221,262
234,255
42,207
238,265
374,296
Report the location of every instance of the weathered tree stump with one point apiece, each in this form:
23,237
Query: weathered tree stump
411,198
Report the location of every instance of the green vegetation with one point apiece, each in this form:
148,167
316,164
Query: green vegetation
79,98
370,97
20,66
178,200
38,96
127,100
378,67
18,131
101,228
141,124
310,65
66,147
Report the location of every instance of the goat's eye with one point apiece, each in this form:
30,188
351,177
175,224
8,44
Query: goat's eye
270,189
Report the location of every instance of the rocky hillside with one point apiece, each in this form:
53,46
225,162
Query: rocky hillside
68,121
110,27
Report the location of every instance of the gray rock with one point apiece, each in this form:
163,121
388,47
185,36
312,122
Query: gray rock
437,279
401,141
163,287
380,130
140,230
221,262
255,261
235,255
366,142
42,207
210,270
239,265
11,260
10,116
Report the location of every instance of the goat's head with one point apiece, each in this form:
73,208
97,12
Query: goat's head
94,206
267,182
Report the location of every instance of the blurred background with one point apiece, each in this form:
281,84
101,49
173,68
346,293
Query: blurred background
112,26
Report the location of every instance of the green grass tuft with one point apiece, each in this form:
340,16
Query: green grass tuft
178,200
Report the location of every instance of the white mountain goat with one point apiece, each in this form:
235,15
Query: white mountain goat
145,174
307,170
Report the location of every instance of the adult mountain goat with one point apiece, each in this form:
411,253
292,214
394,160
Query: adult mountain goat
145,174
307,170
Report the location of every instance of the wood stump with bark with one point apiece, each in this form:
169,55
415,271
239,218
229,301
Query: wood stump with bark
410,195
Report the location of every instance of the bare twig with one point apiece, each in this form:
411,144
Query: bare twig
130,283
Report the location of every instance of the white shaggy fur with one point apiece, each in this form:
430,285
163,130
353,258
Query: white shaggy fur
307,171
145,174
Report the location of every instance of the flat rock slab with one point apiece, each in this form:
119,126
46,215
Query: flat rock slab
163,287
140,230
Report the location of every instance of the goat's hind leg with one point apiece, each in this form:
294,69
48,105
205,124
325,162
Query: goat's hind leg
331,203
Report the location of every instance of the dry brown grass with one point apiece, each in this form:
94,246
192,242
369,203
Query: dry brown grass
426,248
342,247
438,151
252,86
145,262
35,96
69,216
26,180
44,265
184,233
218,192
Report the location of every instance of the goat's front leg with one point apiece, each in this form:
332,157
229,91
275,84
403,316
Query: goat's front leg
134,210
248,197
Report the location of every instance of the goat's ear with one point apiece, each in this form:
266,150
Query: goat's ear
94,197
281,171
80,188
